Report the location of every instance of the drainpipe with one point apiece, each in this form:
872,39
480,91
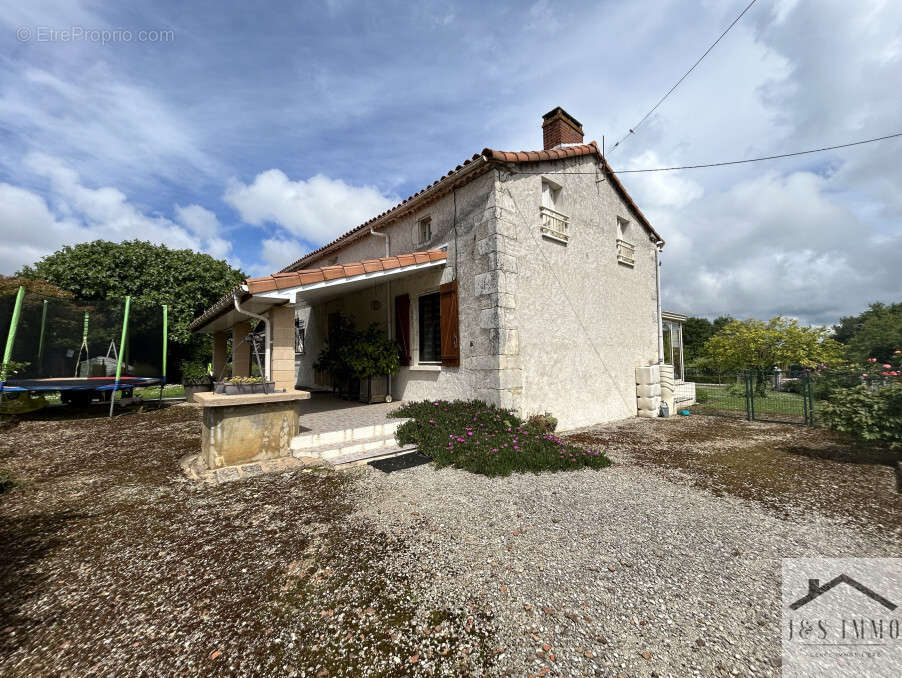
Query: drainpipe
387,240
387,293
267,348
659,245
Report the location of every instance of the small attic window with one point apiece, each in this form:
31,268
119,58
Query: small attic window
424,229
551,195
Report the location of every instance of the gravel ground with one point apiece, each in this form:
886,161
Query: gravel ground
618,572
112,563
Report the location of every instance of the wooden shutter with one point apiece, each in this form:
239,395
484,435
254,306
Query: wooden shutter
450,324
402,326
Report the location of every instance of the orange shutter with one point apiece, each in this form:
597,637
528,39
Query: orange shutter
402,326
450,324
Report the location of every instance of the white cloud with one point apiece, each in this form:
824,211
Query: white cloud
316,210
277,253
31,228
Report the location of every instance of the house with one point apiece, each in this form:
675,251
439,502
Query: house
526,279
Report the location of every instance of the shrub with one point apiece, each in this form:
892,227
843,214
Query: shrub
481,438
870,413
194,373
541,423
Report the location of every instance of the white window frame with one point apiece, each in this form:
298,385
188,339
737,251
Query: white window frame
427,222
416,363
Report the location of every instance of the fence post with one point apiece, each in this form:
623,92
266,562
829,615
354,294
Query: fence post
749,403
810,393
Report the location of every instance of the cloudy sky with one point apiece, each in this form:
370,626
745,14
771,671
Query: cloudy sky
257,134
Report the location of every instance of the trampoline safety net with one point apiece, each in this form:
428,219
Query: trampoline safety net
73,338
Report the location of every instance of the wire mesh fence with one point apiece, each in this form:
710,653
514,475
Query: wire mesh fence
756,395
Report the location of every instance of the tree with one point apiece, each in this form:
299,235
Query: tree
189,282
874,333
696,331
780,342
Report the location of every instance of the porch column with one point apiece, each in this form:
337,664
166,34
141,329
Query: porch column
220,341
241,350
282,362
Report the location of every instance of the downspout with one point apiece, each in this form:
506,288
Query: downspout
658,247
387,294
267,348
387,240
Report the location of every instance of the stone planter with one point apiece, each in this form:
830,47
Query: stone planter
227,388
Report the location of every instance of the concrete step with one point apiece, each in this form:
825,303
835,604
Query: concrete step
318,439
358,458
326,452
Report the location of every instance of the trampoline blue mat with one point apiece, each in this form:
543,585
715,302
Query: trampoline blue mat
79,384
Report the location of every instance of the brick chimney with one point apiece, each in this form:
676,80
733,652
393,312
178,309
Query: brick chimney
559,127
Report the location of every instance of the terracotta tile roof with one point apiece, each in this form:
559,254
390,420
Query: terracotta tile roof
466,171
480,161
307,276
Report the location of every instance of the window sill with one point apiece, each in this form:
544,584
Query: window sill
426,367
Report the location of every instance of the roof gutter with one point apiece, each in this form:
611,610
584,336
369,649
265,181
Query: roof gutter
266,334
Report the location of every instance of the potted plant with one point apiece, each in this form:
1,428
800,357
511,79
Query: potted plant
372,359
333,357
195,379
359,362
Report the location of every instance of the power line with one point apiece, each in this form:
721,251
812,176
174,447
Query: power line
766,157
733,162
685,75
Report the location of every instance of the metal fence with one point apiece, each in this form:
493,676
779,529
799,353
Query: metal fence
786,397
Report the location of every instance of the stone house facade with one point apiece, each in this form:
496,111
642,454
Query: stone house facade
526,279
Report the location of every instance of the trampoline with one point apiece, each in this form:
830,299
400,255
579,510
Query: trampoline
43,336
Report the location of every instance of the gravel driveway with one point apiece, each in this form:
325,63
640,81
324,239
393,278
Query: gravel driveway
618,572
111,563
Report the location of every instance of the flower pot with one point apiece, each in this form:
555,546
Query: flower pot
375,390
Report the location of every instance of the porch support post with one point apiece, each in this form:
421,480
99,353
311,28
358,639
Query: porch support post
220,359
283,373
241,350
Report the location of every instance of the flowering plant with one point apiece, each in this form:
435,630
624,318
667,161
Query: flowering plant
484,439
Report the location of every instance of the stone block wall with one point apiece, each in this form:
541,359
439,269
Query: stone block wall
495,356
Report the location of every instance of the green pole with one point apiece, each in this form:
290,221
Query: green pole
165,334
11,336
41,340
128,304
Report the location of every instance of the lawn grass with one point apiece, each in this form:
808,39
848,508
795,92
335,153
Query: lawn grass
477,437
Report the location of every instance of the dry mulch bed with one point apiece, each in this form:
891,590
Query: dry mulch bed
113,563
794,470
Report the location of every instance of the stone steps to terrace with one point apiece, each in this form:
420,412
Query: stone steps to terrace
348,447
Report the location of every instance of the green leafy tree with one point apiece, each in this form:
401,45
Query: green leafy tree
696,331
187,281
780,342
874,333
